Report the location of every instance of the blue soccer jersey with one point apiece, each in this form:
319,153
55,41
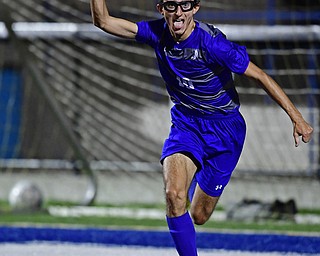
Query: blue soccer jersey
198,70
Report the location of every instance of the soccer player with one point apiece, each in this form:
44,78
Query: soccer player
207,134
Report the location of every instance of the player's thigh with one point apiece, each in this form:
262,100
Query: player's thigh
178,171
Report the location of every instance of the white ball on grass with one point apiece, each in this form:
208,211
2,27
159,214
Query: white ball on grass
25,196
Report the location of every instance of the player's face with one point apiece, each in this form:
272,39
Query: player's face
179,17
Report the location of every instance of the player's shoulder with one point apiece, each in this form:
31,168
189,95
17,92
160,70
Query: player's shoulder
208,29
156,25
159,22
150,31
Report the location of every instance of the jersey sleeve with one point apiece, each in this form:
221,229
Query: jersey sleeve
143,32
148,32
230,54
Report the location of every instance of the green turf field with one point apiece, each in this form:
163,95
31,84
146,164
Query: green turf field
8,217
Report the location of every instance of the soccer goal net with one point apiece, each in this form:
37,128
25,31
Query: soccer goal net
72,93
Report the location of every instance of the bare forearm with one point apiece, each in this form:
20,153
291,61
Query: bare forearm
99,12
274,91
112,25
300,126
279,96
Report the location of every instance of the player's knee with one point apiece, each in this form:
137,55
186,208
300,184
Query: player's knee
175,196
176,201
201,215
200,218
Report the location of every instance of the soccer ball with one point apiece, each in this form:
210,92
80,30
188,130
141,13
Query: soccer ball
25,196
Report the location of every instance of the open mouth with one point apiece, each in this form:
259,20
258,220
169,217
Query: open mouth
178,24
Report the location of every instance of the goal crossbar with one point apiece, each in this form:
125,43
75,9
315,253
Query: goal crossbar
59,30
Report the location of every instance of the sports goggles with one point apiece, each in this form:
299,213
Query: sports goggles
172,6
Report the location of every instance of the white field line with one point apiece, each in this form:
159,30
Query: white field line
58,249
147,213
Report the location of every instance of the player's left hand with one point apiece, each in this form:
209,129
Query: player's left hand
303,129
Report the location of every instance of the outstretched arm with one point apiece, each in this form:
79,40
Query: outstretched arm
300,126
112,25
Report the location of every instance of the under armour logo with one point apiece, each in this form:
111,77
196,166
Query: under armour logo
218,187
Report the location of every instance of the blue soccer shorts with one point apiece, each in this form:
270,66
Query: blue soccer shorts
213,142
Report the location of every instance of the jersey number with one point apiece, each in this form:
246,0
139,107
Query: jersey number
185,82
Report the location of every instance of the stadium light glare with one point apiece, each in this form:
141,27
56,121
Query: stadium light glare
3,31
